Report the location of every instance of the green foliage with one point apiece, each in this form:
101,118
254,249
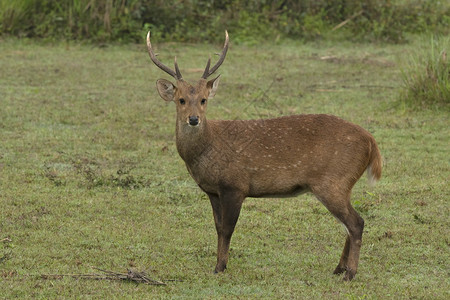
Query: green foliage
315,26
251,28
100,20
427,78
389,21
12,14
203,20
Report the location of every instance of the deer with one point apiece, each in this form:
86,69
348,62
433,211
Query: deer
231,160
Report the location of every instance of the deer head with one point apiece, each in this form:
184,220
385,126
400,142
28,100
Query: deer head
190,100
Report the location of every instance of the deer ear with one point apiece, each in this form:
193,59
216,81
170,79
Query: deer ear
212,87
166,89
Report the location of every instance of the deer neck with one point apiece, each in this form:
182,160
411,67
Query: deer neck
191,141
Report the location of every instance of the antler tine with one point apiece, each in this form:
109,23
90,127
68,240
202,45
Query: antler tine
208,72
177,70
176,75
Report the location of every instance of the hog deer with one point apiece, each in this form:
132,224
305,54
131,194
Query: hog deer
281,157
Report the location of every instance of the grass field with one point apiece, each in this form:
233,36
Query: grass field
90,176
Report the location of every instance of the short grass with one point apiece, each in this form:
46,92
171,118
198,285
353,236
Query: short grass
90,176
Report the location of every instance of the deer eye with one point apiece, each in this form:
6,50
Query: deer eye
182,101
203,102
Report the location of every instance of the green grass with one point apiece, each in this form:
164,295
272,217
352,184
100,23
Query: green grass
427,78
90,177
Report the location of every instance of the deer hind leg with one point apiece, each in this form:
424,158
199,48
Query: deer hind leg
341,267
355,226
341,208
226,210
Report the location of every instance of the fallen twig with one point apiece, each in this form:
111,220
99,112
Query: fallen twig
133,276
138,277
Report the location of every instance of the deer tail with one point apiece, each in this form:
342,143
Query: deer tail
375,164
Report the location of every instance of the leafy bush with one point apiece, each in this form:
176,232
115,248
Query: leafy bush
100,20
204,20
427,81
386,21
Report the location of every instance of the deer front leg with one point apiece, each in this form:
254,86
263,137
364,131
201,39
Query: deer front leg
226,210
217,212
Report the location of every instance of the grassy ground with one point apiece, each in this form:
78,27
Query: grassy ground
90,177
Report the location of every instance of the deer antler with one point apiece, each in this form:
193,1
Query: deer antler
175,74
208,72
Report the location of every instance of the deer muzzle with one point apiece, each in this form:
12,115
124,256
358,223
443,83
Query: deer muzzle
193,121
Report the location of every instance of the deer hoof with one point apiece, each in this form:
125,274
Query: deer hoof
349,275
218,269
339,270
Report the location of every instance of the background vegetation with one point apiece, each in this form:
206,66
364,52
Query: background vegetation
204,20
427,77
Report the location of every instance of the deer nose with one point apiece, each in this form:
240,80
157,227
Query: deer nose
193,120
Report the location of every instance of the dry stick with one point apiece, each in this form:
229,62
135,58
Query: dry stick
139,277
133,276
346,21
108,272
59,276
